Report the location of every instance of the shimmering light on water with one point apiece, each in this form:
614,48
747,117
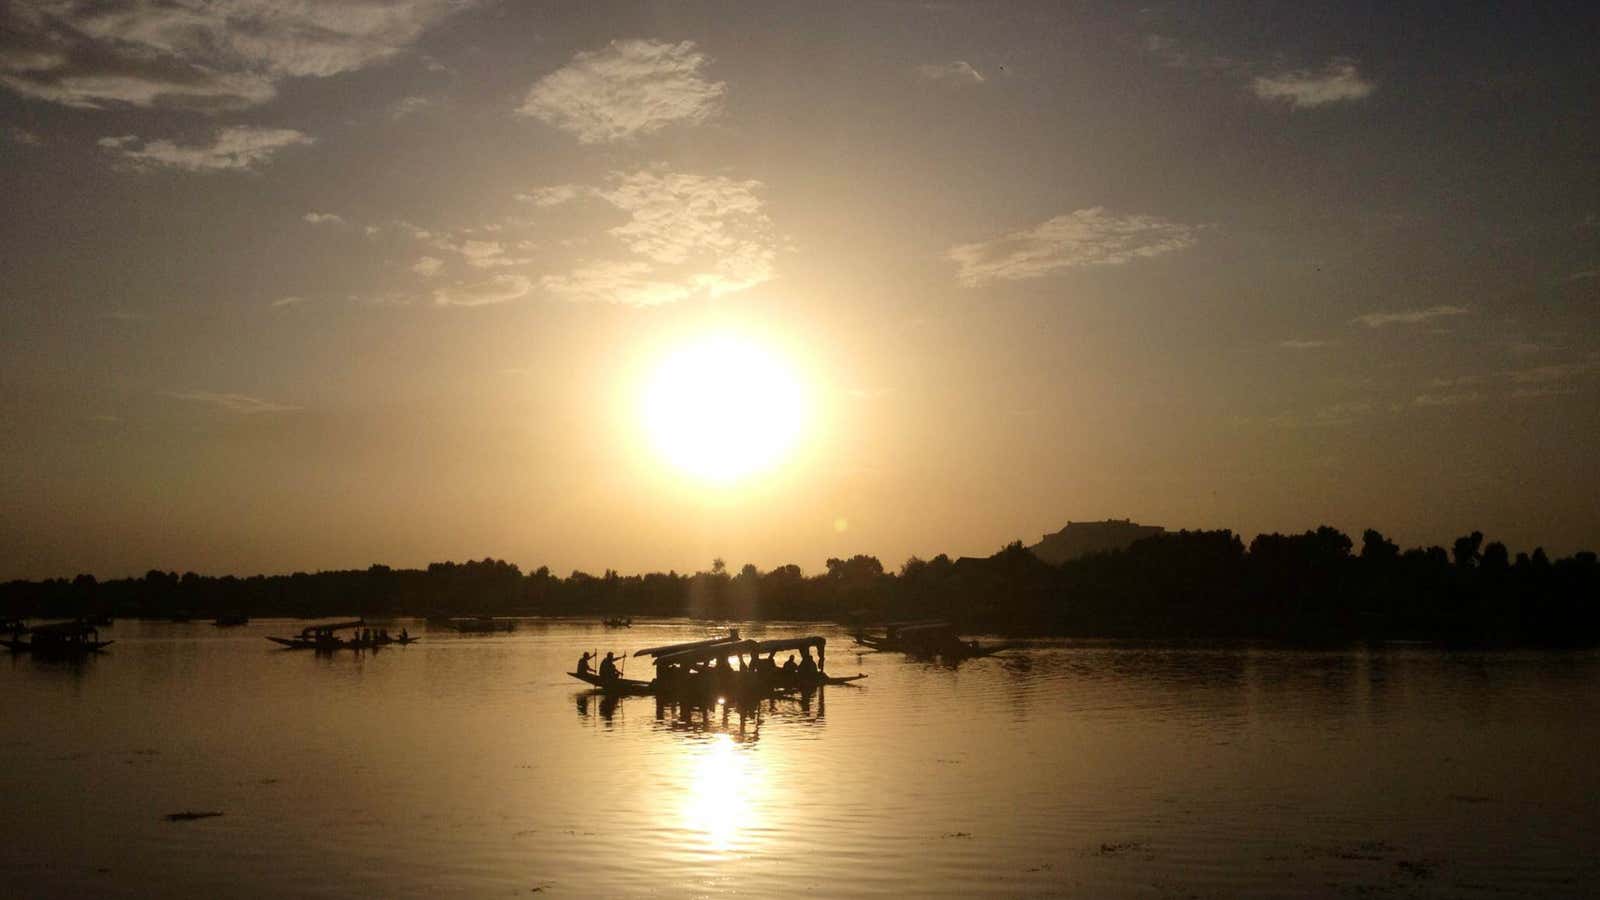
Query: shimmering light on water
472,766
718,793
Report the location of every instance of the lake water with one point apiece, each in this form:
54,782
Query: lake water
472,766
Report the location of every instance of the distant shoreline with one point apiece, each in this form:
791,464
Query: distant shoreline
1311,588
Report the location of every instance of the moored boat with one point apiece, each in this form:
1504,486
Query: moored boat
58,639
319,637
483,625
724,669
929,640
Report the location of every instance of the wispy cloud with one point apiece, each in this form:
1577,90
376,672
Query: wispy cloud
715,224
499,289
236,403
1559,372
1338,82
1174,55
320,218
197,55
1086,237
625,283
409,106
428,266
1333,415
555,195
958,71
1298,344
1456,399
630,88
235,148
1409,316
283,302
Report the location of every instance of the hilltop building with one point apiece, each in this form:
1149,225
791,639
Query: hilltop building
1083,538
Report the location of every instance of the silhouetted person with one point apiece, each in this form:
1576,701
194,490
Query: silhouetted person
808,666
583,663
790,666
608,667
404,635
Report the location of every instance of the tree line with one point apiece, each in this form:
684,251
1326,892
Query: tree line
1315,586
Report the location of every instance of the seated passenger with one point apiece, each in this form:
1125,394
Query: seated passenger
583,663
608,667
789,665
808,666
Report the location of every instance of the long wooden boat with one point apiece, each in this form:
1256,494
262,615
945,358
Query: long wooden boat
483,625
58,639
929,640
664,649
318,637
332,643
631,686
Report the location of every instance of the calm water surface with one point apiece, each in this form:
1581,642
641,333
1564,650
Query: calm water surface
471,765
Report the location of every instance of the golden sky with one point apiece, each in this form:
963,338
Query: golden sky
636,285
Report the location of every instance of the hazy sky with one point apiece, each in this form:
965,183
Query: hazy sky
293,285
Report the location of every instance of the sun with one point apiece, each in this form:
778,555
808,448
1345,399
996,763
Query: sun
721,409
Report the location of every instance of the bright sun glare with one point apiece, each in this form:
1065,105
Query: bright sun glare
724,408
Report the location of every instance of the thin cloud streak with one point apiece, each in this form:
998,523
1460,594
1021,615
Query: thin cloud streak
622,283
1409,316
238,148
957,71
1086,237
236,403
1338,82
499,289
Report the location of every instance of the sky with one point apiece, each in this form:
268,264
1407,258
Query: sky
295,286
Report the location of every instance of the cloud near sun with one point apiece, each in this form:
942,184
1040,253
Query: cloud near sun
1086,237
630,88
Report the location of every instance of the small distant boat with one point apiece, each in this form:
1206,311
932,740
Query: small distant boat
59,639
324,638
617,622
231,620
929,640
483,625
318,637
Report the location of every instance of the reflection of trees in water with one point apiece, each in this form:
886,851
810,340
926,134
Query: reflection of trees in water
741,721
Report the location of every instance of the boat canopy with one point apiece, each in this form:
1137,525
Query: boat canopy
64,629
792,644
927,626
719,650
330,628
732,635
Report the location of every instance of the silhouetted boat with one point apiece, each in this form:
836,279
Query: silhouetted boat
483,625
617,622
616,686
731,636
929,640
230,620
701,670
59,639
318,637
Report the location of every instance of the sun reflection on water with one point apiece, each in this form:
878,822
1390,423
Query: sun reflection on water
721,789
